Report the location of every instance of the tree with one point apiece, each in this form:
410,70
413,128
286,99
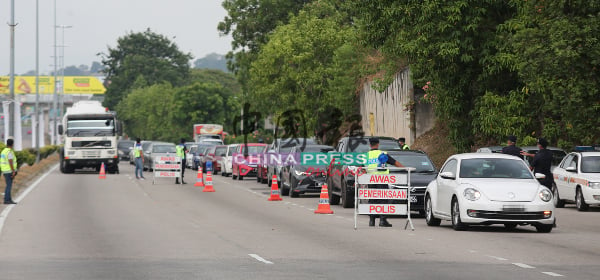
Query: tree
250,22
307,65
74,71
555,48
144,53
96,67
449,44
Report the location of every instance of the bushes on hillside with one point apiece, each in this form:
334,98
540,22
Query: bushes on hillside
28,155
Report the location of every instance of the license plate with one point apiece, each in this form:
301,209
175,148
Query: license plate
413,199
513,208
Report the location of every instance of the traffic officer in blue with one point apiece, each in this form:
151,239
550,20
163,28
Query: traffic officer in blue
181,151
376,161
8,165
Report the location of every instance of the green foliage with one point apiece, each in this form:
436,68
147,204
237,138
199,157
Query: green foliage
23,157
163,112
555,47
448,43
308,64
146,54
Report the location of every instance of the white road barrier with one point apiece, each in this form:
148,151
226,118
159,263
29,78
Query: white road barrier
399,186
166,166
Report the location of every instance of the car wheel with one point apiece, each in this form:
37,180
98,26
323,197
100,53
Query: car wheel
333,198
558,203
544,228
293,185
510,226
284,190
429,218
347,197
580,201
457,224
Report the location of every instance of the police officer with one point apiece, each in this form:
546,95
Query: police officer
138,157
511,148
181,151
372,165
403,145
8,166
542,162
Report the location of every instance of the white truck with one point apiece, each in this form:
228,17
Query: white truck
89,134
208,133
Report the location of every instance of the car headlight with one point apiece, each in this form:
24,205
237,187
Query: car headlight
594,185
545,195
300,173
471,194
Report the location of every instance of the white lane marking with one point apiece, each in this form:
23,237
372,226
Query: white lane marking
294,204
472,251
7,210
553,274
497,258
260,259
522,265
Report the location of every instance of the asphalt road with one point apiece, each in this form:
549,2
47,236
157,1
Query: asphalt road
76,226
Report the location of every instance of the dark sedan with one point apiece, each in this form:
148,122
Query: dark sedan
424,173
300,179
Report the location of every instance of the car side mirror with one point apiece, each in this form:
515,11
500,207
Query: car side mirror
448,175
540,176
571,169
60,129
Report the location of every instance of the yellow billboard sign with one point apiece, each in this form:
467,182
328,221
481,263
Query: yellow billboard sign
73,85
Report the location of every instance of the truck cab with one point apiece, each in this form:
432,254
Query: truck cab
89,134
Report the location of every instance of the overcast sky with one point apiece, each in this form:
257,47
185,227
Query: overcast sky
191,24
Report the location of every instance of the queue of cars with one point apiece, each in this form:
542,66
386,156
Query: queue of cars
481,188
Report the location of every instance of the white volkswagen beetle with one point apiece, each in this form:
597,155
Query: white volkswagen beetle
485,189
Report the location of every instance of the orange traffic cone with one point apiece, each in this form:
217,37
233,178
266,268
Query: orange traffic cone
102,172
324,202
209,183
199,179
274,190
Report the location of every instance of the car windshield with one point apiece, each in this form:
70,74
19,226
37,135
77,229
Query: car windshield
163,149
125,144
494,168
590,164
219,151
362,145
252,149
421,163
317,149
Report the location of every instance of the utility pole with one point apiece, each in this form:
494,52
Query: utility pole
62,67
11,110
55,101
37,82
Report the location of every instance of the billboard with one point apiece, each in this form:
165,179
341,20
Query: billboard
72,85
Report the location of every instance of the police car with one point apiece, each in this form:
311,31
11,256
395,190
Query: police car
577,179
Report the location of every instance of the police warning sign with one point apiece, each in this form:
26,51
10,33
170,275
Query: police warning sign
382,194
166,174
396,179
387,209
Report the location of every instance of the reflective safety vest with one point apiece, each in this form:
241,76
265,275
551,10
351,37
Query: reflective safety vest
405,147
4,164
180,151
137,151
373,162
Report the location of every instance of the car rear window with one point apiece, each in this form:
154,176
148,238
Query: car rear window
163,149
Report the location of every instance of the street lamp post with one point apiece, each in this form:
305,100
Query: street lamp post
62,67
55,99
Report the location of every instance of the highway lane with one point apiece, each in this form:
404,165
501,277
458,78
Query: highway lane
76,226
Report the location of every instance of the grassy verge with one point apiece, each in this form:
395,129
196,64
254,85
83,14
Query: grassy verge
28,174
